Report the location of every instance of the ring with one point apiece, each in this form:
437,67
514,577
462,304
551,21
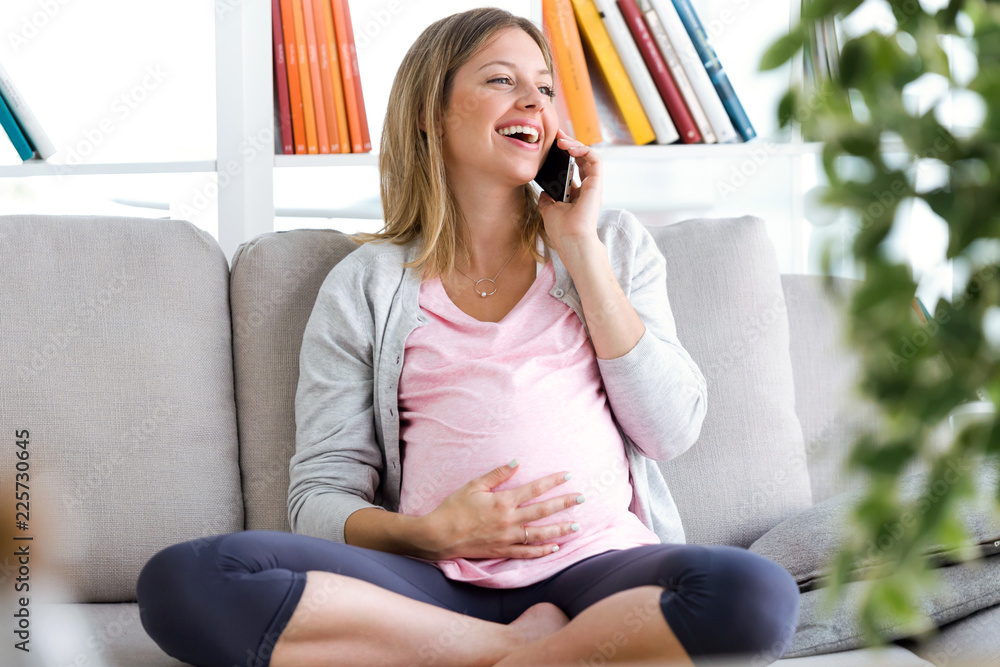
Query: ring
525,534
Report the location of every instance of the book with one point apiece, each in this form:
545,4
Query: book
281,97
574,90
336,82
295,101
596,37
350,74
614,130
302,50
658,69
326,81
26,121
315,78
642,81
722,126
714,68
13,131
680,77
562,110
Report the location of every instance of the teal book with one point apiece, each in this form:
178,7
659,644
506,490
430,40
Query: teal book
714,68
14,131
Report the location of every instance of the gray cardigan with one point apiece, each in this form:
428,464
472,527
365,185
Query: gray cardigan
346,414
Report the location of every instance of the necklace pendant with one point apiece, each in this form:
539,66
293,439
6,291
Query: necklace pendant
484,293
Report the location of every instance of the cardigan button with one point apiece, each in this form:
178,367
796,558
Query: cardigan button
558,293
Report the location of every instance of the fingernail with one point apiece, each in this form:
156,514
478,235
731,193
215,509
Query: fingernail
568,476
513,464
580,499
555,548
575,526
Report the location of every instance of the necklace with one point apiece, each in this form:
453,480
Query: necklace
493,280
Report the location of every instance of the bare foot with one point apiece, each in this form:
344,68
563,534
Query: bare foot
538,621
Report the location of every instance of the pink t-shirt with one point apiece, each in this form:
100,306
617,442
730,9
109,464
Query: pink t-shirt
475,395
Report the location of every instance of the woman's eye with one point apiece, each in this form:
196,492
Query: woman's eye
548,91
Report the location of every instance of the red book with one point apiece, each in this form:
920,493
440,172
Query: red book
357,120
281,81
294,85
671,95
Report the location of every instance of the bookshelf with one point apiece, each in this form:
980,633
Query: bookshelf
653,181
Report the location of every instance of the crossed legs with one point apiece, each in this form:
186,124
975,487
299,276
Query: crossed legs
341,620
257,598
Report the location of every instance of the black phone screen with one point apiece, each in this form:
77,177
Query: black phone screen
556,174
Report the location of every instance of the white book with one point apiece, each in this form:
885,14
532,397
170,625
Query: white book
25,118
679,75
703,88
635,67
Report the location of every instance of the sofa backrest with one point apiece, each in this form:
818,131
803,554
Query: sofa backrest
274,281
116,360
746,473
831,409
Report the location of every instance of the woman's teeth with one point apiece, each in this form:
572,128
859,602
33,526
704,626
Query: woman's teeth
531,134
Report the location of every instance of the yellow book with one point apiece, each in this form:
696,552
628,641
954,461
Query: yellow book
596,36
571,70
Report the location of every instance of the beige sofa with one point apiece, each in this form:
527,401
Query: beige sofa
156,384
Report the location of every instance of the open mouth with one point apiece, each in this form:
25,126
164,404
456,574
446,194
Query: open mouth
528,135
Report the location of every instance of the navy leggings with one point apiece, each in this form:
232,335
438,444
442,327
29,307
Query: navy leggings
224,600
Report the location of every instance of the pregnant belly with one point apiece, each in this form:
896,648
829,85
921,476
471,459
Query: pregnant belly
595,456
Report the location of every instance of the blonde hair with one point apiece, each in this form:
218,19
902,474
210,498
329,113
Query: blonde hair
416,198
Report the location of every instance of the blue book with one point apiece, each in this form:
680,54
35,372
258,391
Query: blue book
714,68
14,131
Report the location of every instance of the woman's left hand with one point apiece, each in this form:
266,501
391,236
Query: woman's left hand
577,218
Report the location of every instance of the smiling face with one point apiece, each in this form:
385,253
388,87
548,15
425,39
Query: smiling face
500,121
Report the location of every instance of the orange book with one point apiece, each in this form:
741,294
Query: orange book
336,84
574,79
565,120
308,110
356,118
316,77
329,105
294,87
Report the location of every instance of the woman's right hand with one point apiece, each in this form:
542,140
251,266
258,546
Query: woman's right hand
476,522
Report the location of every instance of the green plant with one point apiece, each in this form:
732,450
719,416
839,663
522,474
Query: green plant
856,114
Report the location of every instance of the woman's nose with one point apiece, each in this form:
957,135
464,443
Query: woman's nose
532,97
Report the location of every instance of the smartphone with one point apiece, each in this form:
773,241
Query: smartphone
556,175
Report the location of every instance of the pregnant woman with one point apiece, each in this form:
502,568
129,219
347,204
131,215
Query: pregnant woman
484,389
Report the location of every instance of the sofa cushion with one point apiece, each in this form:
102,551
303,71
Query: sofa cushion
747,472
116,358
274,281
831,410
806,543
882,656
93,635
973,640
962,589
726,296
